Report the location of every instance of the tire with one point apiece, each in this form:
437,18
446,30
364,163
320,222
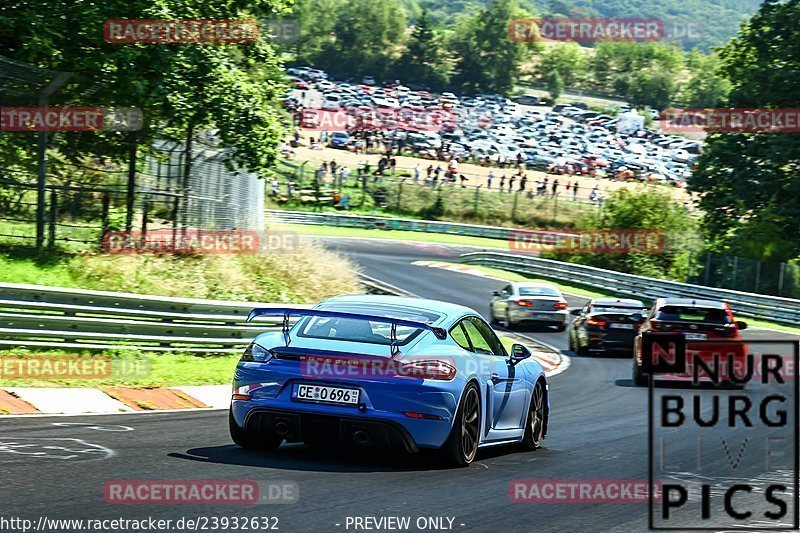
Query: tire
249,439
506,323
462,444
583,351
536,421
639,378
570,342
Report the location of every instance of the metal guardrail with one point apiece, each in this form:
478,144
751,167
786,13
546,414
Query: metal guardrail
406,224
772,308
34,315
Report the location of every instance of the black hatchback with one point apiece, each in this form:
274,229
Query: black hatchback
605,325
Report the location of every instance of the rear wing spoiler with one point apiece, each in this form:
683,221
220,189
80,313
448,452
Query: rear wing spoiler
287,312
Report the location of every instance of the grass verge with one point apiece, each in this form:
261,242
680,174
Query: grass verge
117,368
396,235
305,273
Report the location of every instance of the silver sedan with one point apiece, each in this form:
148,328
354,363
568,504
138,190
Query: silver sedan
529,302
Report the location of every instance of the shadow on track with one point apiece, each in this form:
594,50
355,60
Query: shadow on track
304,458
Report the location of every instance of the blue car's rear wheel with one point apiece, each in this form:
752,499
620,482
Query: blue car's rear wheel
251,439
536,423
462,445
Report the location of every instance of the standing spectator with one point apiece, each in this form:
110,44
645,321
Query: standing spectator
360,168
511,183
437,173
522,182
345,175
489,180
392,163
555,187
333,167
502,182
575,190
417,170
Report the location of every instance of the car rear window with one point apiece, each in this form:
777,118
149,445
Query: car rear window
693,314
353,330
538,291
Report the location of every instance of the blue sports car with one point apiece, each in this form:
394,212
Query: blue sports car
387,371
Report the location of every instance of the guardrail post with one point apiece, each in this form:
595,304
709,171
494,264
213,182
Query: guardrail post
780,279
477,196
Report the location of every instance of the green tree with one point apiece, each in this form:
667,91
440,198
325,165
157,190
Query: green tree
652,210
750,182
367,36
181,88
424,59
707,87
568,59
555,85
487,58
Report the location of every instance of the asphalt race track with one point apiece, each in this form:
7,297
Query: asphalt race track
598,430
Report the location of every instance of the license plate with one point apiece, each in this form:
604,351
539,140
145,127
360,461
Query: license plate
621,326
322,393
695,336
535,315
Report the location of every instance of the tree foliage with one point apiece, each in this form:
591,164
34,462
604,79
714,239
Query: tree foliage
749,183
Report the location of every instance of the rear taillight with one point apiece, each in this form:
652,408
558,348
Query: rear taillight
256,353
560,305
431,369
524,303
596,322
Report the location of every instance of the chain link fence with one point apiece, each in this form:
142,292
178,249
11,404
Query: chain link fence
215,197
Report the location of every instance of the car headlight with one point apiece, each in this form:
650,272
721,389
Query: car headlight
256,353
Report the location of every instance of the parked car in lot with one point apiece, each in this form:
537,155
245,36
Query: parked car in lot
696,320
339,139
387,372
529,303
527,99
605,325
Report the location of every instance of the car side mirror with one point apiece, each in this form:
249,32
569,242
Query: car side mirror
575,312
519,352
637,317
741,325
495,293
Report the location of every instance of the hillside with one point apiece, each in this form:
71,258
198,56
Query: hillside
708,22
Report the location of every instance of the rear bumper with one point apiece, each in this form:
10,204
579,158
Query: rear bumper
540,317
601,342
346,430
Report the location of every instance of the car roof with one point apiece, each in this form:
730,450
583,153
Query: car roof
691,302
603,302
520,284
380,304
